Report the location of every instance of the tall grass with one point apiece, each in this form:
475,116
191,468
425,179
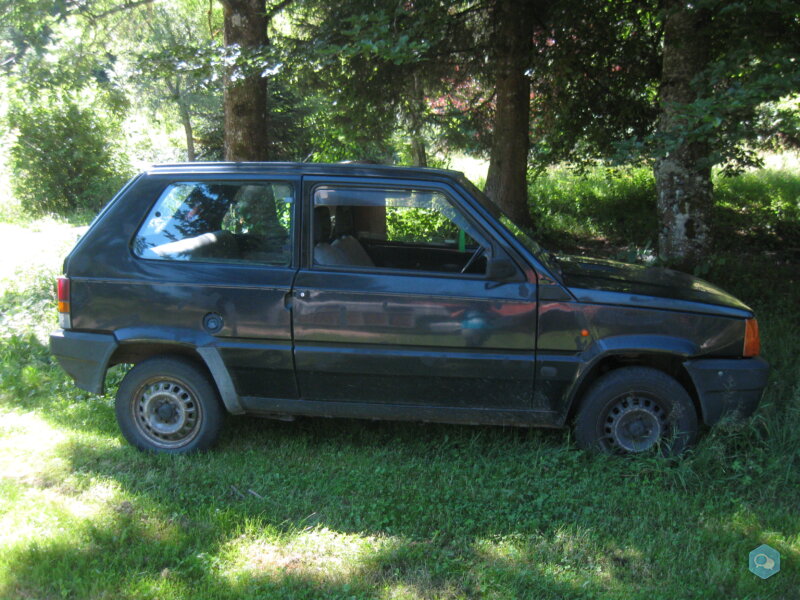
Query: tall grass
617,205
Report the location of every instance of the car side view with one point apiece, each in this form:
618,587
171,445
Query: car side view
281,289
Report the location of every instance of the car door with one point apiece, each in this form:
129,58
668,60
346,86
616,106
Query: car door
393,303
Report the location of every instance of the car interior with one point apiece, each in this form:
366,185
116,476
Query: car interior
357,236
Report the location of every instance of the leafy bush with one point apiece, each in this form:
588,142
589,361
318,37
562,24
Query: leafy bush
64,157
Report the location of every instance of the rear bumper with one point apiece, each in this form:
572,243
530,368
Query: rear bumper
84,356
728,387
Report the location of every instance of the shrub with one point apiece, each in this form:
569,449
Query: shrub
64,158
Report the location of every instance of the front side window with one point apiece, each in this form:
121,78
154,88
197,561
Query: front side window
241,222
407,229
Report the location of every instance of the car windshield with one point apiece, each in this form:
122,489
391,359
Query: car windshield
543,255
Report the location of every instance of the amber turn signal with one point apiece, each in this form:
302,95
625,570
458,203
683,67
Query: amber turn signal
752,341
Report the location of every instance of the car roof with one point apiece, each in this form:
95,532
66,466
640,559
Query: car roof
345,169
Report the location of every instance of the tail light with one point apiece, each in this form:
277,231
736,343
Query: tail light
64,319
752,341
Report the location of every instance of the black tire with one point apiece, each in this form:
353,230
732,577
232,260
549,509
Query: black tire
169,405
636,409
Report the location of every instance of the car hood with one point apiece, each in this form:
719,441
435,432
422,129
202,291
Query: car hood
640,285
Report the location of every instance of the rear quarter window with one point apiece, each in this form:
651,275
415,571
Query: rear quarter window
243,222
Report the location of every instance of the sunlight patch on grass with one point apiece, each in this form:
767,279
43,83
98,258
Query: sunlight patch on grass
25,440
320,554
35,474
44,243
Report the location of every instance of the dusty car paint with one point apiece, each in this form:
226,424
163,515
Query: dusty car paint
370,343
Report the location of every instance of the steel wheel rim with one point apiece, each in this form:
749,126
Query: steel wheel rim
634,422
166,412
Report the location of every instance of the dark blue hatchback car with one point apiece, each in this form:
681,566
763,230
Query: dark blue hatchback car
280,290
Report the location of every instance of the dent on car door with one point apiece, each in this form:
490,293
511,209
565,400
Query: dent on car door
395,307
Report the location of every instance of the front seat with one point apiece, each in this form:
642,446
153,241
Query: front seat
346,242
324,253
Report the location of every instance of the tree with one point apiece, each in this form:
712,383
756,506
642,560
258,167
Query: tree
63,108
245,101
721,62
247,116
681,87
377,63
176,63
683,174
506,182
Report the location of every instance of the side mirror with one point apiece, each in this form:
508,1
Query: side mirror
501,269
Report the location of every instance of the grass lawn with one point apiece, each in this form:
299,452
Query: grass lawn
348,509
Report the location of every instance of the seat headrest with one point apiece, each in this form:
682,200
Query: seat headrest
345,223
322,224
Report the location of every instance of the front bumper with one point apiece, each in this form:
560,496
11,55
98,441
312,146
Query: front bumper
728,387
84,356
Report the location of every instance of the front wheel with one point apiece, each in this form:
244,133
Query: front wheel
169,405
636,409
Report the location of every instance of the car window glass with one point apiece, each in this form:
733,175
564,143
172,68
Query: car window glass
219,222
395,228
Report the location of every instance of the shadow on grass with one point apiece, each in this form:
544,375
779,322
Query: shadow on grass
444,511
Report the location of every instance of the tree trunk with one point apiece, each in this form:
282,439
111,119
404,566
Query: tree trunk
416,106
245,99
419,157
174,87
683,175
186,119
506,182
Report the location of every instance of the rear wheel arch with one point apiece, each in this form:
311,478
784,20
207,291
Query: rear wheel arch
206,358
134,352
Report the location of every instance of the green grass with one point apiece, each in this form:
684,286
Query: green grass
348,509
617,205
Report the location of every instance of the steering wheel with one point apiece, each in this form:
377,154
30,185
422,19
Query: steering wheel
475,256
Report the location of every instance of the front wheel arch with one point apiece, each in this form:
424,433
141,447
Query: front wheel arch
669,364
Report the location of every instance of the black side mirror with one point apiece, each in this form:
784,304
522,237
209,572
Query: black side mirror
501,269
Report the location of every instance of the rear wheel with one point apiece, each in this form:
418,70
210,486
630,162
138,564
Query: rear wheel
636,409
168,404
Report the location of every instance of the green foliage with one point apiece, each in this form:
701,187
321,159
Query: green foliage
375,67
416,224
744,94
614,208
612,204
64,157
594,77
